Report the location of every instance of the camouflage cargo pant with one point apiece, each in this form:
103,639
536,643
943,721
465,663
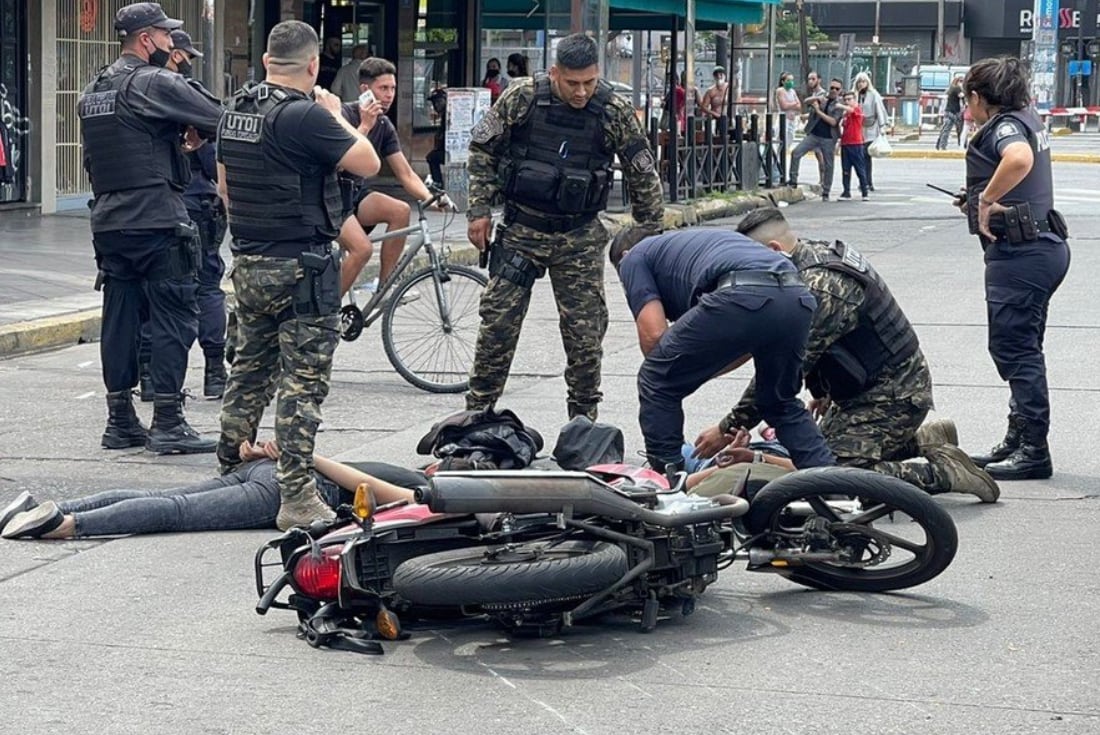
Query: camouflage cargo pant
271,343
575,261
881,436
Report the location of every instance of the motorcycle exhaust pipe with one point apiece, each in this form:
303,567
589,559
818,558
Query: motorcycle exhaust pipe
576,493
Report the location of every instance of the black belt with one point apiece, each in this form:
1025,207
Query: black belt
548,223
758,278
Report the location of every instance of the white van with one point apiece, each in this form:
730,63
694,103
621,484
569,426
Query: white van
937,77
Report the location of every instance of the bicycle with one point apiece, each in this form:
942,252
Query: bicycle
429,333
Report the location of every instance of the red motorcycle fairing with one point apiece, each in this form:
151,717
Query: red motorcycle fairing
410,514
609,473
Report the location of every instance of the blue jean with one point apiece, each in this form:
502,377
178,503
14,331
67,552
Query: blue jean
247,498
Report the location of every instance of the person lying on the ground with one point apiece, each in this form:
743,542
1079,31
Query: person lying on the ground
247,498
741,468
863,364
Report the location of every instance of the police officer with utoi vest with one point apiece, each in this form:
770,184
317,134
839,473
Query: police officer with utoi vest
546,149
207,211
278,154
136,121
1009,203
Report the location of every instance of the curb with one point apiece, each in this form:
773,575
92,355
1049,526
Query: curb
55,332
960,155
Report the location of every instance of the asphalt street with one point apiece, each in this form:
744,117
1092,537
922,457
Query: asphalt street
157,634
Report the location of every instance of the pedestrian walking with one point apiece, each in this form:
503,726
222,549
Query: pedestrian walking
133,116
278,152
1009,205
952,114
546,148
728,298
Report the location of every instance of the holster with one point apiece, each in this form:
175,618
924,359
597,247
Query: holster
182,257
317,292
513,266
213,223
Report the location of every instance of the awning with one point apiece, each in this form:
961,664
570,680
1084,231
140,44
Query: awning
625,14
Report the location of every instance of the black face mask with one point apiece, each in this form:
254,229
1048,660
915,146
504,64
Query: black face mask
492,72
160,57
185,68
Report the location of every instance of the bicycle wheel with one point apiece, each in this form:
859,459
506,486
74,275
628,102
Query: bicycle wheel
429,328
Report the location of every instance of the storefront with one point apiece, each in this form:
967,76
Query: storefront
15,125
1005,27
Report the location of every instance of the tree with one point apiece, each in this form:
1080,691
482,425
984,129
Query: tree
786,29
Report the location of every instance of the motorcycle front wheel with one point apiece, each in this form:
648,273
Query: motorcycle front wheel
523,575
886,534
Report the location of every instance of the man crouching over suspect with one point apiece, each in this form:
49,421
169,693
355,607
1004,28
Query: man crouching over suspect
729,299
278,155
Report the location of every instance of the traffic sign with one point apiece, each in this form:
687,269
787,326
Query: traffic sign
1080,68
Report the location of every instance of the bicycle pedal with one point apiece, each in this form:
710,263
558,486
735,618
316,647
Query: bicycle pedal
351,323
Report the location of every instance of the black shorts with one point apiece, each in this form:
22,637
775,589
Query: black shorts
352,193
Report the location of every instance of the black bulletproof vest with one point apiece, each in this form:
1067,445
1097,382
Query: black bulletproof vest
558,163
1037,188
123,150
884,337
269,200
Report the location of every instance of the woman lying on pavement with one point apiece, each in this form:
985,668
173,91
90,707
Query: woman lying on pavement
245,499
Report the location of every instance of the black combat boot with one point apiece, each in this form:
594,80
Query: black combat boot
124,428
214,377
145,383
170,433
591,411
1008,445
1029,461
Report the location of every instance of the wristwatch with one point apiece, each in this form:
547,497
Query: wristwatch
758,457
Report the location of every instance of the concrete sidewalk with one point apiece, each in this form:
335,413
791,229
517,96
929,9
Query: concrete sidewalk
1066,147
47,269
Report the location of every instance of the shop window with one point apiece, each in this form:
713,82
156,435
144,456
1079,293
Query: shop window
435,58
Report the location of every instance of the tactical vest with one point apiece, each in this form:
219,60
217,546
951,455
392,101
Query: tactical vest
557,161
1036,189
884,338
123,150
269,200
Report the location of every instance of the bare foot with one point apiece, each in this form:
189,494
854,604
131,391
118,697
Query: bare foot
67,529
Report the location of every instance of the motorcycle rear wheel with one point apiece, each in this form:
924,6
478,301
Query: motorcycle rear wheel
926,545
523,575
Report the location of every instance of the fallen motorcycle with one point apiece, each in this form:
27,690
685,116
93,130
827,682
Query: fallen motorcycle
540,551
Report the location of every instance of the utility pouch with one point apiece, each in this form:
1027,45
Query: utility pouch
1019,226
513,267
317,292
100,279
600,188
573,192
841,374
1058,224
534,182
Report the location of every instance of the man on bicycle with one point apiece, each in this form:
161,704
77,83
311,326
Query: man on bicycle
367,208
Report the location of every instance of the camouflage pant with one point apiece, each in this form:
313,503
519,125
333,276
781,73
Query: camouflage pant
881,436
575,262
274,344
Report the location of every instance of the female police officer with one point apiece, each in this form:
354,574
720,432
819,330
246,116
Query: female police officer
1009,204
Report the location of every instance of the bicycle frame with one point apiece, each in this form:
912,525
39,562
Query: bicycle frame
370,311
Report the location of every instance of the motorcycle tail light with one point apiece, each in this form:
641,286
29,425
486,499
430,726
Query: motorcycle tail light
388,625
363,506
319,577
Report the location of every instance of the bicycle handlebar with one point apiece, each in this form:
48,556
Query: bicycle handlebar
438,193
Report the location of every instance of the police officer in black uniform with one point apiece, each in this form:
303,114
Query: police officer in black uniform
137,119
207,211
728,297
1009,203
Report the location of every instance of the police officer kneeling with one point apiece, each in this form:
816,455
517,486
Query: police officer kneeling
278,155
132,119
729,299
1009,204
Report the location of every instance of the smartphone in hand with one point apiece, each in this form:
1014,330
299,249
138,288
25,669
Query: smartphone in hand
366,99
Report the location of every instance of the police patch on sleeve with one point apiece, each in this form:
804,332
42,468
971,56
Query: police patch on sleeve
643,161
1007,129
490,126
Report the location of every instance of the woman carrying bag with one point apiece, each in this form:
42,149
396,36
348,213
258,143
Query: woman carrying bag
874,121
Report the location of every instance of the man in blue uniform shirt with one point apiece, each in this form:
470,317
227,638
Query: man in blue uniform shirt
729,299
137,119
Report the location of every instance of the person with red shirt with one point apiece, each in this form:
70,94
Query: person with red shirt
851,146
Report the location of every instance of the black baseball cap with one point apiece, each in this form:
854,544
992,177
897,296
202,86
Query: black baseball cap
143,15
181,41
